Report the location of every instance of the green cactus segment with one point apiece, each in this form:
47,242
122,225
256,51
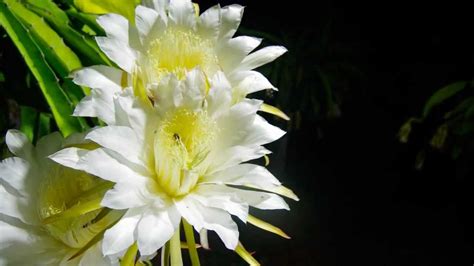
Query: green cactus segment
56,98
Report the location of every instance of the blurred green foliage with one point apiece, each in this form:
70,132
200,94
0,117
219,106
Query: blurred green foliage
446,123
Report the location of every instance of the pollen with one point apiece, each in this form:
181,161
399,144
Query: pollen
182,143
177,51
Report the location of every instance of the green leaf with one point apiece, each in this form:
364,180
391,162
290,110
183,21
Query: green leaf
125,8
59,20
88,19
56,98
442,95
59,56
28,117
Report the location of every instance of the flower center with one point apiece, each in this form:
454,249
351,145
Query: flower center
177,51
182,142
60,191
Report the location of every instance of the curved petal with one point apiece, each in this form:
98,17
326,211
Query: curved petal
93,256
105,78
181,12
249,175
107,165
115,26
262,133
120,139
221,197
118,51
125,196
250,82
210,218
19,144
14,171
155,228
209,23
121,235
230,20
144,19
232,52
14,206
262,57
48,145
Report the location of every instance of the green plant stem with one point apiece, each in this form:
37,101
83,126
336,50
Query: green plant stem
175,249
193,254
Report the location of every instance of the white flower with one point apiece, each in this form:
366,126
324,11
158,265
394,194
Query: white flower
33,188
177,160
169,38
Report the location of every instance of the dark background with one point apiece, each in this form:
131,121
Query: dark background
362,202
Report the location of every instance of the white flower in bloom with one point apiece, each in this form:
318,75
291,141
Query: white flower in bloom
169,38
33,188
177,159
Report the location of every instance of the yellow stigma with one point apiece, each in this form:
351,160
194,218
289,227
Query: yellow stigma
60,190
182,142
177,51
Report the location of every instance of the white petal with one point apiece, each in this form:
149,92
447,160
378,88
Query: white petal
14,171
237,123
250,82
93,256
262,200
181,12
120,139
111,166
235,50
262,57
243,174
69,157
122,235
194,89
19,144
159,6
230,20
99,77
49,144
210,218
249,175
15,206
167,93
118,51
233,156
97,104
220,95
144,19
262,133
222,197
219,195
209,23
115,26
155,228
125,196
129,112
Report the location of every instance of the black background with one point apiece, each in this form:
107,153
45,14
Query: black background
362,200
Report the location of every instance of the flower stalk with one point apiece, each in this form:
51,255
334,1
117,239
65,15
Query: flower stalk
175,249
189,232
